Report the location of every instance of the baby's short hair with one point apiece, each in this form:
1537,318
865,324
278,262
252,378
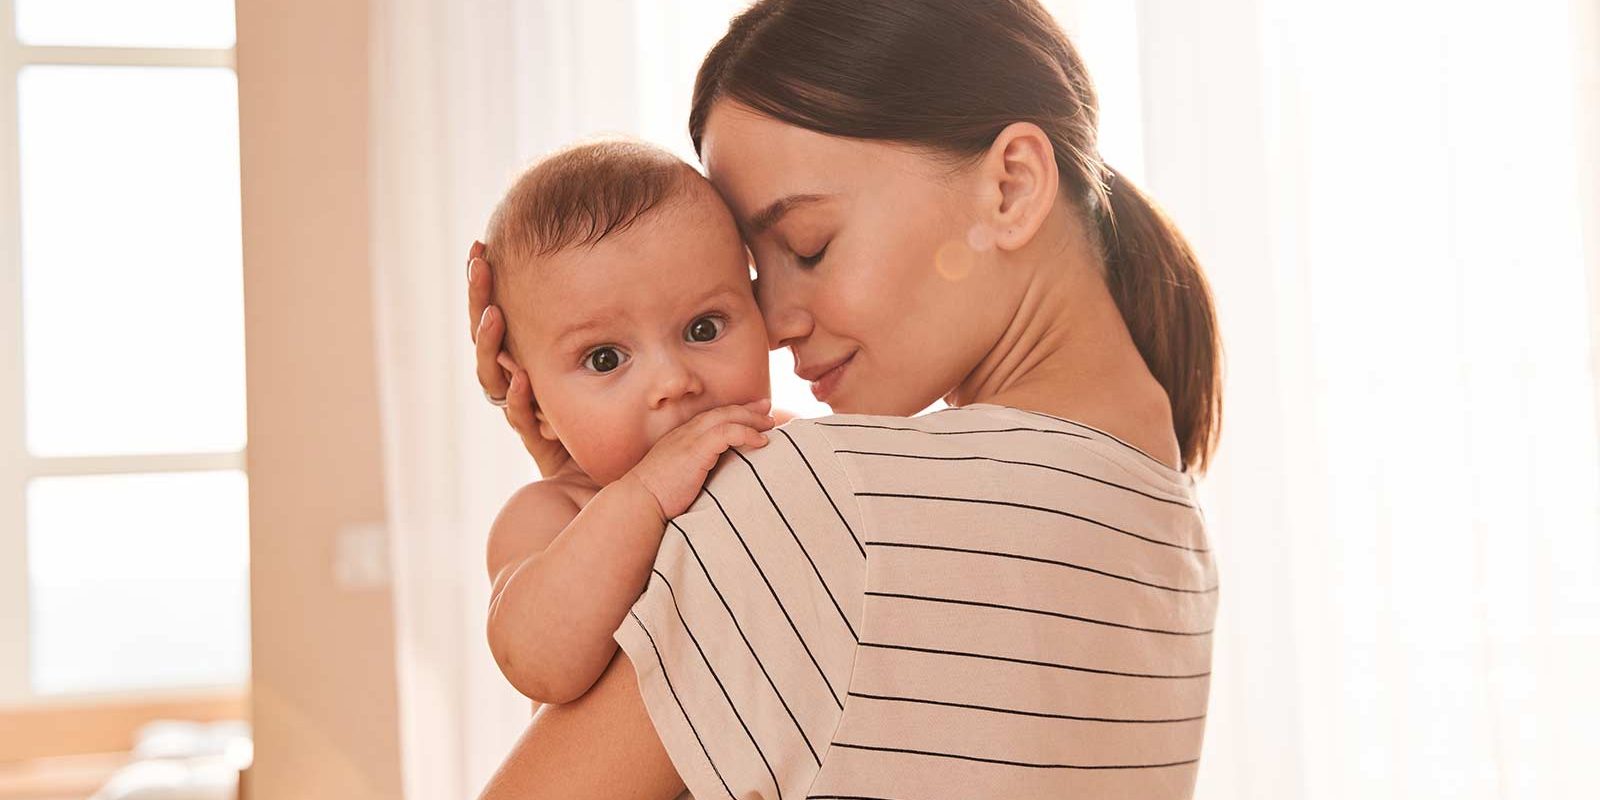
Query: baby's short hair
577,197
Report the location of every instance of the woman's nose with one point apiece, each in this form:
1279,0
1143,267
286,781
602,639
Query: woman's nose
673,380
783,307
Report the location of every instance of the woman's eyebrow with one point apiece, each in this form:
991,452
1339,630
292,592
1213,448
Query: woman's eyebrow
769,216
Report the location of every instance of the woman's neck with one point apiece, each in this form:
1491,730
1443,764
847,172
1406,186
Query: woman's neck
1067,352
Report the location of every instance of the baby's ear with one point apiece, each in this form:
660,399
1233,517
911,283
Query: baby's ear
546,430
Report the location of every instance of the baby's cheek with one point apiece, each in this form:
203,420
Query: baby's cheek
611,449
752,373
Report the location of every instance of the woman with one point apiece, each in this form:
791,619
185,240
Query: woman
1009,598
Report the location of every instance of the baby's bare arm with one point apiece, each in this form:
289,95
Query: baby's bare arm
564,578
552,611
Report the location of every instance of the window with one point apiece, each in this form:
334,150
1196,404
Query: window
123,502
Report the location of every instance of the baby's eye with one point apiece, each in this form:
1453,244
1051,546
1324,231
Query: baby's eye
602,359
705,329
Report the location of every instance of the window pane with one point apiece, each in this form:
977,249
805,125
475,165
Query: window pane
132,282
126,23
138,581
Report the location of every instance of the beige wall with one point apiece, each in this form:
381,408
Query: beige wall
323,686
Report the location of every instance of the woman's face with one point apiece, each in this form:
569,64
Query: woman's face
870,259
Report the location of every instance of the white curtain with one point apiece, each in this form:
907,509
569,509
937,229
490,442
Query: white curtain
1388,196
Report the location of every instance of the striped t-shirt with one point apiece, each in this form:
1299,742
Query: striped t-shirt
981,602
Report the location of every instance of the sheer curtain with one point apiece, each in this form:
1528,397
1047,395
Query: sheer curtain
1386,194
1389,198
464,94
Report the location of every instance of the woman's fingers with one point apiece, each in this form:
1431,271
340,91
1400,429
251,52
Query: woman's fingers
519,405
491,333
480,288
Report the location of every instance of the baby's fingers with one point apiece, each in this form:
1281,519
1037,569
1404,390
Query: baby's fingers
737,434
742,415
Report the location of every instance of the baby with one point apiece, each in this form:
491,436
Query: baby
627,298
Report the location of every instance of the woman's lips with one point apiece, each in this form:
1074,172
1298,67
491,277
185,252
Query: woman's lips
826,383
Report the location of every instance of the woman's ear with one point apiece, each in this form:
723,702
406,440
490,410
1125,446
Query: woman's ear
1020,184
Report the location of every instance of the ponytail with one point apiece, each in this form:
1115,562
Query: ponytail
1165,301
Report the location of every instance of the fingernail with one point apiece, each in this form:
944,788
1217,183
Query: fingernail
483,320
472,270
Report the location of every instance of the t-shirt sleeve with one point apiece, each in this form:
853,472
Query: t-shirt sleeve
745,636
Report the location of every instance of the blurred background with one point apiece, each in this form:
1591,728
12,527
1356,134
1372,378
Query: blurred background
246,472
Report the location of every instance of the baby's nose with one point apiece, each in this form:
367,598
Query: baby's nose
674,381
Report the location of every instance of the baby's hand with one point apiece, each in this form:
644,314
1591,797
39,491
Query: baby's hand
676,467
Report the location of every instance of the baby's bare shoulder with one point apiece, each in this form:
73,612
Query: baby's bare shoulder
530,519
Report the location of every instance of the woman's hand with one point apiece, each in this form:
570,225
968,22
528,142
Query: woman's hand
499,375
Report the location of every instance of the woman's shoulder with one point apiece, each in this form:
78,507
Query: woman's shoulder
992,432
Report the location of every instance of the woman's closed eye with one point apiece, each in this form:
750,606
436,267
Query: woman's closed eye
812,260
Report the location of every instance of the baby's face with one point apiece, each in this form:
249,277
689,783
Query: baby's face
635,336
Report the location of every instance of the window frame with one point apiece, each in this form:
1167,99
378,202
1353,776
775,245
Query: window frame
17,465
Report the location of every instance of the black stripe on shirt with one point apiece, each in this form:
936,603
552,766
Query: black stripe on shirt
1113,437
681,709
845,797
1032,663
1039,611
774,592
732,706
1101,481
1025,506
1012,763
1019,712
713,584
824,491
955,433
775,507
1036,559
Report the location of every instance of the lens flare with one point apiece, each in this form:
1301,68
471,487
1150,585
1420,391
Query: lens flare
954,260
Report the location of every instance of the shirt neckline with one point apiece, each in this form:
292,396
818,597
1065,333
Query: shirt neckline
1166,470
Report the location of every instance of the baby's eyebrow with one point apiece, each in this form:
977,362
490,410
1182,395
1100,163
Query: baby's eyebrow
579,329
774,212
576,330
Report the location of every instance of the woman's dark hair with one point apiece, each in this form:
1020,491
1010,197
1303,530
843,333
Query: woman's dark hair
951,75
